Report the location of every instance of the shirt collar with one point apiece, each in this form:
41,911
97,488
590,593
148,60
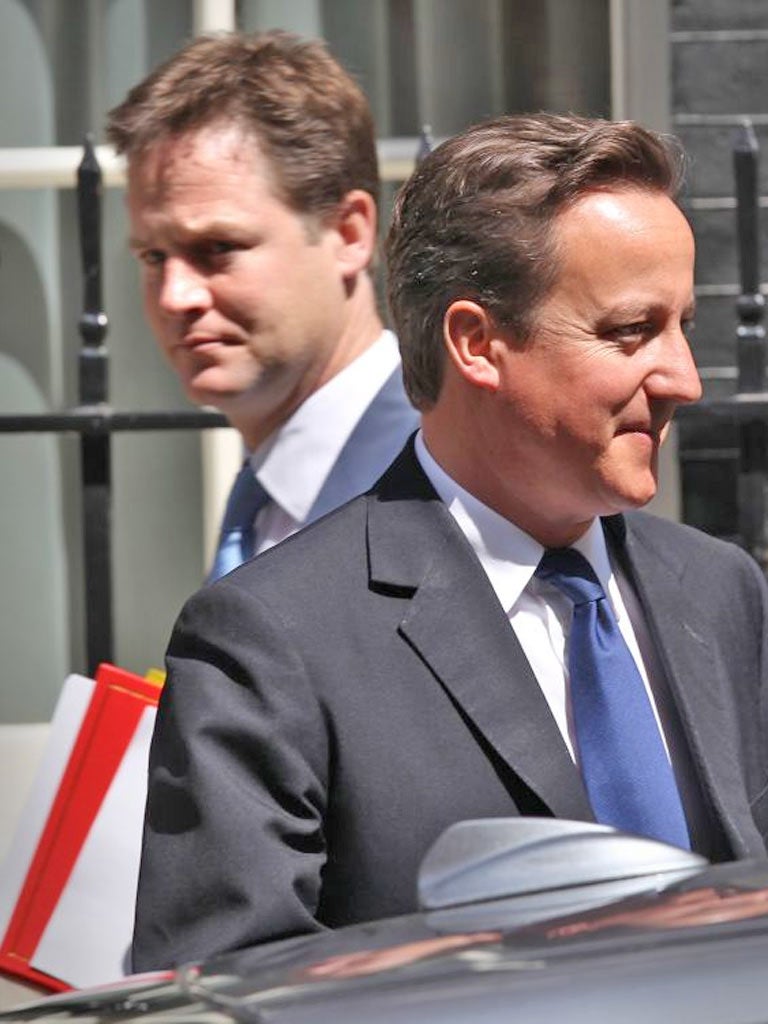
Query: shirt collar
293,464
508,554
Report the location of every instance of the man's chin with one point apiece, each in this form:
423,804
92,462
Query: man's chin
211,393
639,497
634,495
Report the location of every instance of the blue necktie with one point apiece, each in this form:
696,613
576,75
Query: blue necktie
237,539
621,754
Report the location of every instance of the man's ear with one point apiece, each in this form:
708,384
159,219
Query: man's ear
355,223
469,333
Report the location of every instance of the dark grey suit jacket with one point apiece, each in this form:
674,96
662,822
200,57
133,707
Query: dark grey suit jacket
333,705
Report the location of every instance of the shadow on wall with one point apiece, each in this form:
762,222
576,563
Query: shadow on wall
24,329
33,619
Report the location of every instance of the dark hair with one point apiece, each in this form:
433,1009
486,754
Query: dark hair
475,221
310,118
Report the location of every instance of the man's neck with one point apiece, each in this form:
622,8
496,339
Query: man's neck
468,466
362,328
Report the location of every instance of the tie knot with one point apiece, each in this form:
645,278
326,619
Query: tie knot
571,573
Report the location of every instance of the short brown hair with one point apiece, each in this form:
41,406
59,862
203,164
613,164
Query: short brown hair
474,221
311,119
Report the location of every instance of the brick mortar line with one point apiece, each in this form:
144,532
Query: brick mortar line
736,35
719,120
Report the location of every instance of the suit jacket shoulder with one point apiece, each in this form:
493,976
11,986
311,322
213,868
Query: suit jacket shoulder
377,438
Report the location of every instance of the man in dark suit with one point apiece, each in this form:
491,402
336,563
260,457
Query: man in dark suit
411,660
252,196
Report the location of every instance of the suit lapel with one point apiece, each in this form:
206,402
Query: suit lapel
697,677
455,623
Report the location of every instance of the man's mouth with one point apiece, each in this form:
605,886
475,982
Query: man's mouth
195,341
638,428
656,428
655,435
198,343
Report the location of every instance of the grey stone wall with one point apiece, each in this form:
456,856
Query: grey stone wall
719,76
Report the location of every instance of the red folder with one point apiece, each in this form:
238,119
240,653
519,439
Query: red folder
108,732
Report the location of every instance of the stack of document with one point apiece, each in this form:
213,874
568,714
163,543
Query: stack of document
68,884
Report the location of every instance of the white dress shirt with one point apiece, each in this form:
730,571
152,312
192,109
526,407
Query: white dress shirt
293,464
539,613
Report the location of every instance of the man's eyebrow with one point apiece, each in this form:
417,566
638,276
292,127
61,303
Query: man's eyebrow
632,309
629,310
190,235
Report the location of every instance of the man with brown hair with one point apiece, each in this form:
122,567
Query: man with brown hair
494,629
252,195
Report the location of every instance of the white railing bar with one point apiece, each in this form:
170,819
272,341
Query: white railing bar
56,166
214,16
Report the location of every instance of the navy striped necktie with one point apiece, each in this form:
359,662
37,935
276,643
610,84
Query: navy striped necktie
237,538
621,754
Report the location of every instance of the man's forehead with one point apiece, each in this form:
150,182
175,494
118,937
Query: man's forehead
623,251
597,224
210,148
620,207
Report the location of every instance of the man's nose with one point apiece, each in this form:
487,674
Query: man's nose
183,288
676,377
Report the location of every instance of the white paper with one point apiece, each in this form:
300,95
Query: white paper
67,717
88,936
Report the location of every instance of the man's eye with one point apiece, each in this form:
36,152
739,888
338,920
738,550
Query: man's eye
687,326
210,254
221,248
151,257
632,332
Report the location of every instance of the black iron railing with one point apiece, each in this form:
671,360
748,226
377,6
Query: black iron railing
747,409
95,422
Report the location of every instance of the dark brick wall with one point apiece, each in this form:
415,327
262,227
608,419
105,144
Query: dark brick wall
719,69
713,15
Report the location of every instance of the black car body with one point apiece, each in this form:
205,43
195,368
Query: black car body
523,921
